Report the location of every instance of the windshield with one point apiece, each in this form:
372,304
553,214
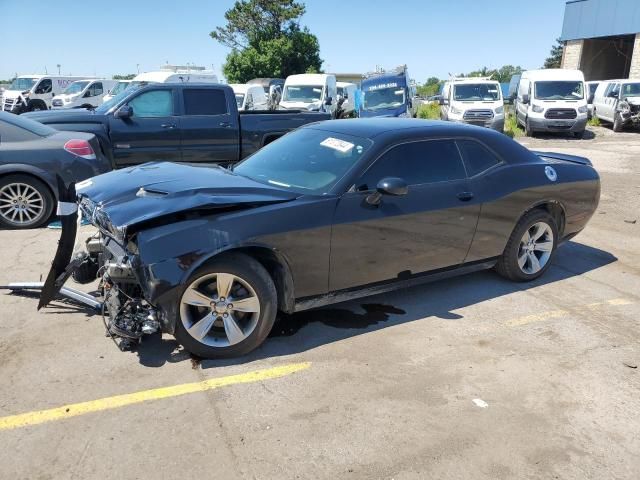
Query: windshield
76,87
305,161
302,93
239,99
120,87
631,90
559,90
106,106
22,84
487,92
384,98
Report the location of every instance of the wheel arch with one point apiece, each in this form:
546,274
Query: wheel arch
555,209
31,171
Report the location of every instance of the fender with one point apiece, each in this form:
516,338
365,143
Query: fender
43,175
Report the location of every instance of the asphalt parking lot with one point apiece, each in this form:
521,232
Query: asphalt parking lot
472,377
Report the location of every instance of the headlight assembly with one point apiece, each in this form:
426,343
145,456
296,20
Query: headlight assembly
537,108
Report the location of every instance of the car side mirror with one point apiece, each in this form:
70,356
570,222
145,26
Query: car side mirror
612,95
525,99
87,94
329,101
125,111
392,186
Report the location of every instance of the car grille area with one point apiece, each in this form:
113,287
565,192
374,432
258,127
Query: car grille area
561,113
478,115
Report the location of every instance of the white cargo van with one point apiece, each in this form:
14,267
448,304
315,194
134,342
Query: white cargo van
552,100
347,91
120,86
87,93
165,76
34,92
249,97
618,102
310,91
473,100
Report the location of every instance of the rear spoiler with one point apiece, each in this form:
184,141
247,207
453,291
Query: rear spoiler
563,157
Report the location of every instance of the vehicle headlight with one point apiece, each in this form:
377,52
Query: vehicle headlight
500,109
582,109
456,111
537,108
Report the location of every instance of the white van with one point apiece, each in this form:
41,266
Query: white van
87,93
474,100
34,92
249,97
165,76
618,102
120,86
552,100
310,91
348,92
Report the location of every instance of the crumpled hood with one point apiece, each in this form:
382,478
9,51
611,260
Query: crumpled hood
154,191
633,100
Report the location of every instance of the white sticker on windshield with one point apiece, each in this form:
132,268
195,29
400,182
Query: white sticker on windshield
337,144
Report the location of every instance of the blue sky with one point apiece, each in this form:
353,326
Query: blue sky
432,37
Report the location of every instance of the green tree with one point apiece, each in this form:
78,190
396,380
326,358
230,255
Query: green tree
502,74
266,40
554,60
430,87
128,76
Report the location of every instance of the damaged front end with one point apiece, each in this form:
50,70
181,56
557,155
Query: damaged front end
629,111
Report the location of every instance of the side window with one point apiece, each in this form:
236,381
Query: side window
97,89
44,86
204,101
616,89
427,161
477,157
153,103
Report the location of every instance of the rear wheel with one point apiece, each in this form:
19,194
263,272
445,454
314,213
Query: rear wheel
579,134
530,248
25,202
617,122
227,308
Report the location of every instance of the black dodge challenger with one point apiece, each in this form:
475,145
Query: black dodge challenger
332,211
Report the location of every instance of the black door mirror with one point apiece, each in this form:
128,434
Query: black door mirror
392,186
525,98
329,101
87,94
125,111
613,94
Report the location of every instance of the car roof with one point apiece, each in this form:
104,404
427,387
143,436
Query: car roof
373,127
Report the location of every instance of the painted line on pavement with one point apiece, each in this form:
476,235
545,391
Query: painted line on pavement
551,314
76,409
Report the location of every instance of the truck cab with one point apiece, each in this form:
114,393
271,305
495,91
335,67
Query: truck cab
29,93
477,101
552,100
388,94
87,93
310,91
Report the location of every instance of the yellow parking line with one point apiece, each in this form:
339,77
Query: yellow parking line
108,403
544,316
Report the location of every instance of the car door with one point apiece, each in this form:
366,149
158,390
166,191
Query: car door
599,99
611,100
209,126
151,133
429,228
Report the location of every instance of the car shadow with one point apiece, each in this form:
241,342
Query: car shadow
307,330
588,135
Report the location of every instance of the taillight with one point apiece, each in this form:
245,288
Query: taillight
81,148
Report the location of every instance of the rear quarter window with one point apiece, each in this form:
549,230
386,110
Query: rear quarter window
477,157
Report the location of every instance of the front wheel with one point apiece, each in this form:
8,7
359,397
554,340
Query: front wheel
579,135
528,131
617,123
530,248
227,308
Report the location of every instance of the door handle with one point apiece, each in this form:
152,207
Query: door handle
465,196
225,124
168,125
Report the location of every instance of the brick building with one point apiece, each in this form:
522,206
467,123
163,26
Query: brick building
602,38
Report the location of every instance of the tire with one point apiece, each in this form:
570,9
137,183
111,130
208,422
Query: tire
508,265
578,135
37,106
220,329
528,131
617,122
14,190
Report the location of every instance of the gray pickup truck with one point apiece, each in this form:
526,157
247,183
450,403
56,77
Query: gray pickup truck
183,122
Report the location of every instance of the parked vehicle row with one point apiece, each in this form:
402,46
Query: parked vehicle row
34,92
618,102
86,93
